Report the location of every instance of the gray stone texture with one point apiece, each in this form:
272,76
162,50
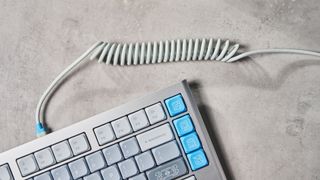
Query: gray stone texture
263,112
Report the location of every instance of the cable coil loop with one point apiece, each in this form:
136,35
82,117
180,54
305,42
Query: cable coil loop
156,52
163,51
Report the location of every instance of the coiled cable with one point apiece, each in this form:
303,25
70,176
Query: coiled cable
155,52
164,51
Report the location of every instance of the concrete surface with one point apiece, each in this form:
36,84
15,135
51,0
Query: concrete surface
264,112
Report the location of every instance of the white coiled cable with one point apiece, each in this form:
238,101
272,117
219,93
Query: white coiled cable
155,52
164,51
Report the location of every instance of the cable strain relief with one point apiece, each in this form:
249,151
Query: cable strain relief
40,130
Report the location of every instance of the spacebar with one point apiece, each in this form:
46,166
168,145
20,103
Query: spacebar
170,170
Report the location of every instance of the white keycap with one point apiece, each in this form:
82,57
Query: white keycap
78,168
27,165
138,120
79,144
129,147
155,113
111,172
96,161
104,134
121,127
138,177
112,154
155,137
145,161
5,173
190,178
44,158
166,152
62,151
128,168
61,173
94,176
44,176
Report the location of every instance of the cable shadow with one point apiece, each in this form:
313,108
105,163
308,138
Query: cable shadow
250,73
210,124
288,70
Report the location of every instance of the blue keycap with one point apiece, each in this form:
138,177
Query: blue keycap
175,105
183,125
197,159
190,142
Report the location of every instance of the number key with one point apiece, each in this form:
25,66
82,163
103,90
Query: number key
44,158
62,151
121,127
155,113
138,120
79,144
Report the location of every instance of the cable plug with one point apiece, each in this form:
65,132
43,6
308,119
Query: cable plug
40,130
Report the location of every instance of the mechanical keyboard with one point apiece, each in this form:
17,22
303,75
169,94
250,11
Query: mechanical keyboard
158,137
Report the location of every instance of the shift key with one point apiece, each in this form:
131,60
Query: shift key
155,137
170,170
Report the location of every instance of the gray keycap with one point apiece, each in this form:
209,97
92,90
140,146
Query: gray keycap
104,134
170,170
27,165
96,161
61,173
44,158
111,172
121,127
78,168
139,177
166,152
79,144
128,168
112,154
94,176
155,113
62,151
5,173
145,161
44,176
138,120
129,147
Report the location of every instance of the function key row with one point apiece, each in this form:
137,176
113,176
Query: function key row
139,120
51,155
128,124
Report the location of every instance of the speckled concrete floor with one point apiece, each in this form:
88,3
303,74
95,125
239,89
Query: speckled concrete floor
264,111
